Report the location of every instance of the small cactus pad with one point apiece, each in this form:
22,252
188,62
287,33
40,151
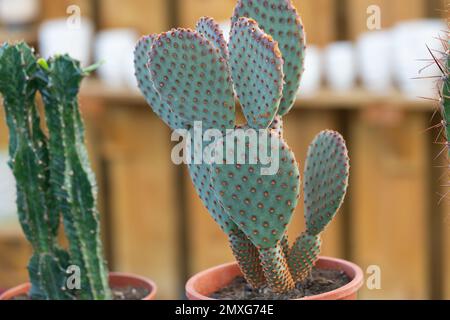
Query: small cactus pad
261,205
325,180
247,256
276,269
190,75
211,31
280,19
303,256
257,72
145,83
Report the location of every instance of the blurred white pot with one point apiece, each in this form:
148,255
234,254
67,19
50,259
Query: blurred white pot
18,12
340,66
410,40
312,77
58,37
375,61
115,47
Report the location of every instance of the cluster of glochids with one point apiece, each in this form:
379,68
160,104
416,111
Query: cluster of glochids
53,174
196,75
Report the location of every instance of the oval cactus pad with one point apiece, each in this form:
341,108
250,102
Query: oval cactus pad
303,256
257,72
211,31
145,84
325,180
261,205
280,19
190,74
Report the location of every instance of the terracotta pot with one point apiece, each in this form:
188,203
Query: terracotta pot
116,279
204,284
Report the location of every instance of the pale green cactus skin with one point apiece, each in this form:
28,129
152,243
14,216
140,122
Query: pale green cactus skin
195,75
53,174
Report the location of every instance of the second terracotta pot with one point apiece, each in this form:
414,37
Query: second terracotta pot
116,280
204,284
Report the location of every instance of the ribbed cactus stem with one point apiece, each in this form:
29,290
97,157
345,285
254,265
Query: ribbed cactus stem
72,180
29,162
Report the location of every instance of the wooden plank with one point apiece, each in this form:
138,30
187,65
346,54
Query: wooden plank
146,16
301,126
319,20
392,12
324,99
14,255
389,202
142,198
190,11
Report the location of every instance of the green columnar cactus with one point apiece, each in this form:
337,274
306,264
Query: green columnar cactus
53,174
72,179
195,75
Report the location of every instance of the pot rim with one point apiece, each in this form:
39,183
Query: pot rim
24,288
352,287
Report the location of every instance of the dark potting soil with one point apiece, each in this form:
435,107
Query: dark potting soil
123,293
320,281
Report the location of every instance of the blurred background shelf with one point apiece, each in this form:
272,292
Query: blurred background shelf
155,225
324,98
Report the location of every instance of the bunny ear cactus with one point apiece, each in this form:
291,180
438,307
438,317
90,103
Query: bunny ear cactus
252,192
53,174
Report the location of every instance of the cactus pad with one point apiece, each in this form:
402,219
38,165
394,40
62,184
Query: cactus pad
303,256
325,180
243,249
276,269
211,31
280,19
261,205
257,72
190,75
145,84
247,256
